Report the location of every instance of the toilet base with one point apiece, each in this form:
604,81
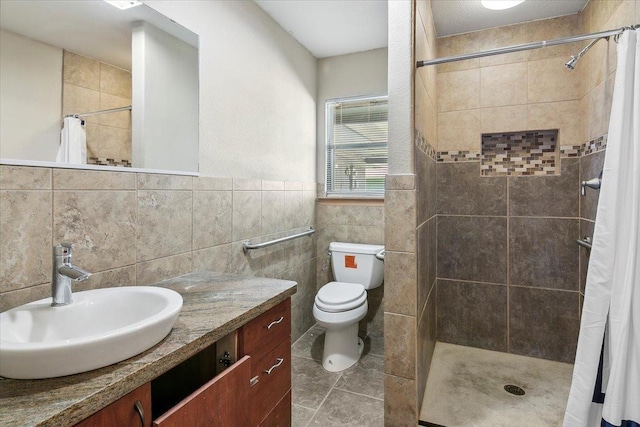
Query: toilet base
342,348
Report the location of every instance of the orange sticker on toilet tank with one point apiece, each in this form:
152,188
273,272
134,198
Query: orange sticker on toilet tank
350,261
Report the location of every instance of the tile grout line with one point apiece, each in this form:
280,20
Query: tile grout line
508,314
358,394
324,399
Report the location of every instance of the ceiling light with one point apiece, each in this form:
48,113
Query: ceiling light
500,4
124,4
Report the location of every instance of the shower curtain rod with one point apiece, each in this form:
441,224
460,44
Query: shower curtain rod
95,113
526,46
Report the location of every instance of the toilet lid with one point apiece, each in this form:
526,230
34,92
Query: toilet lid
340,296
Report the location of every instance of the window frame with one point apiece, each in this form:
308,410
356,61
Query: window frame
329,118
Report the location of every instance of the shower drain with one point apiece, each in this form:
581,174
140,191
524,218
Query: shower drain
514,389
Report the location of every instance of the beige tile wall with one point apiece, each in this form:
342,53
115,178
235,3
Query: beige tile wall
531,90
353,222
597,68
425,89
137,229
400,318
520,91
90,85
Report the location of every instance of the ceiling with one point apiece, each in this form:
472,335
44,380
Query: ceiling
333,27
91,28
463,16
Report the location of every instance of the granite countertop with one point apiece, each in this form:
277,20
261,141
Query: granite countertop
215,304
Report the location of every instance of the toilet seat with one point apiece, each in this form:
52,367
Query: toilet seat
336,297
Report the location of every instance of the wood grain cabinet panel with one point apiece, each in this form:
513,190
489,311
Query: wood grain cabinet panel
267,339
123,412
280,416
266,331
273,373
222,402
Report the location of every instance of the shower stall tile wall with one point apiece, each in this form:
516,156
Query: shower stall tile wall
499,236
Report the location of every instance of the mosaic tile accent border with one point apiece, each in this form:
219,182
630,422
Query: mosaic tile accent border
566,151
531,153
458,156
103,161
424,146
596,145
571,151
593,146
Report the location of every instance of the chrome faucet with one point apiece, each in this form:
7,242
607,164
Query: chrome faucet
63,273
594,183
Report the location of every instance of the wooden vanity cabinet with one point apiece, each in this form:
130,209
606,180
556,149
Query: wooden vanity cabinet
255,390
267,339
133,409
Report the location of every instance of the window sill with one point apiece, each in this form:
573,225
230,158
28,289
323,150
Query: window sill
362,201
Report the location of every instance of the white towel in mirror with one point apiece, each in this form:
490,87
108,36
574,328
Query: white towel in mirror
73,142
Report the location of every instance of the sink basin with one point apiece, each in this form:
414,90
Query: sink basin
100,327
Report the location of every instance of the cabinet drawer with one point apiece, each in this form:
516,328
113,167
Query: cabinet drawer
280,416
220,402
129,410
273,374
266,331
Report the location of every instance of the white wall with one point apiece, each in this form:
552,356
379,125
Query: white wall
257,92
401,71
30,98
164,93
355,74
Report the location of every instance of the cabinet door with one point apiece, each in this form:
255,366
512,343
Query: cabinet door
281,414
129,411
273,374
220,402
266,331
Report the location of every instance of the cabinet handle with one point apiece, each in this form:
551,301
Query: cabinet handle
268,371
140,412
275,322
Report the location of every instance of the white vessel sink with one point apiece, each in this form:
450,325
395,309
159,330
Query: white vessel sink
100,327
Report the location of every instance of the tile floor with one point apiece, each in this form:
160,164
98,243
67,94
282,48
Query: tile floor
466,388
354,397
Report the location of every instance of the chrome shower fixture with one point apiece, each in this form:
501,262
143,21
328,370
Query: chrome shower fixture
571,64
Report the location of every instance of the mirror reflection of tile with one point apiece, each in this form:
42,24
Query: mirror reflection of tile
91,85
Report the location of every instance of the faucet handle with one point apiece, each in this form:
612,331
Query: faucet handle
64,249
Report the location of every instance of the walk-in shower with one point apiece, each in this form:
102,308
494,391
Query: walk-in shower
509,278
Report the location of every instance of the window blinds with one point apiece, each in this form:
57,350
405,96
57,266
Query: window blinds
357,131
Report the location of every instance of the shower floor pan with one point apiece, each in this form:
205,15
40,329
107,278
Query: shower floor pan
466,387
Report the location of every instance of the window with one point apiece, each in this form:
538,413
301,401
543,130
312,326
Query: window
357,130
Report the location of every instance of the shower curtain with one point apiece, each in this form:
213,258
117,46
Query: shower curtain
73,142
605,390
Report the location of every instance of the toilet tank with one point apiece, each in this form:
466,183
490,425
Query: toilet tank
357,263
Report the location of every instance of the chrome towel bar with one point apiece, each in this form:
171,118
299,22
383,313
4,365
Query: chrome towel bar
247,245
585,243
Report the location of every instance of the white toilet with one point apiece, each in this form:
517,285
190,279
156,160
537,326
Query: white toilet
340,305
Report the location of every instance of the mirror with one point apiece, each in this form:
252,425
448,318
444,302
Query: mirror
62,58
